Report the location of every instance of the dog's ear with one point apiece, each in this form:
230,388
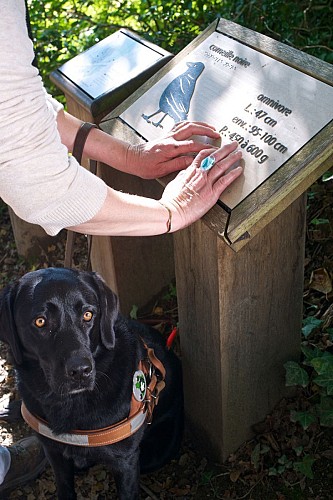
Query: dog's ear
8,332
109,312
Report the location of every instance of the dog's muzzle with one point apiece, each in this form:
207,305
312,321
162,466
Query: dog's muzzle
80,373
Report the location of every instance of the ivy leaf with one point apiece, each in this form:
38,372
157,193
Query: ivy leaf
326,380
310,324
255,456
305,418
272,471
330,332
318,222
323,365
325,411
310,353
295,374
305,466
328,176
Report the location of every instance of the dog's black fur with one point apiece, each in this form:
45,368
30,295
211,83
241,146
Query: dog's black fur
77,374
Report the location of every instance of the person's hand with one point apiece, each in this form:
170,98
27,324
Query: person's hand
173,152
194,191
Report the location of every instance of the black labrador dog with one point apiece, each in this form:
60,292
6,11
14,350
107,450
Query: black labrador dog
89,378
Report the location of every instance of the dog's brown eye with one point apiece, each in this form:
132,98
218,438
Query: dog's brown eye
87,316
40,322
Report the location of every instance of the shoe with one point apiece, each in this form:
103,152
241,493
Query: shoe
27,462
11,413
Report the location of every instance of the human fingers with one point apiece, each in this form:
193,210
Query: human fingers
210,157
223,158
194,130
186,123
225,180
193,192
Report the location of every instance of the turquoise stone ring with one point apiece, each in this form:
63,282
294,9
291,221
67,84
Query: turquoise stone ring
207,163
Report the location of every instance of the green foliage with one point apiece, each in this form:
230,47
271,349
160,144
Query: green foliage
309,324
319,222
315,375
303,466
327,176
305,418
171,293
259,449
295,375
134,312
62,28
317,378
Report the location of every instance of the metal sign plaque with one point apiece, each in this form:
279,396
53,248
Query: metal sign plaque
270,108
110,63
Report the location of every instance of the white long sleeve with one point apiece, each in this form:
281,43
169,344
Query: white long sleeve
38,179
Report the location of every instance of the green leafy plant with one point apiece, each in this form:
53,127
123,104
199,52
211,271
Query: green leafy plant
171,293
318,221
316,376
310,324
302,466
62,29
327,176
134,312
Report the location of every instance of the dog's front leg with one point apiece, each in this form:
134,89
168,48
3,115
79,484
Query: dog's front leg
127,478
63,469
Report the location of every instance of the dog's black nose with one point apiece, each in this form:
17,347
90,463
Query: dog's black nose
79,368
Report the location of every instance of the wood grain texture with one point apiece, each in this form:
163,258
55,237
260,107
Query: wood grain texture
240,319
30,239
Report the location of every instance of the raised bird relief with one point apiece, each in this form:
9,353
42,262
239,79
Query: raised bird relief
176,98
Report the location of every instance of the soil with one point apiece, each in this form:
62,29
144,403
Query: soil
266,467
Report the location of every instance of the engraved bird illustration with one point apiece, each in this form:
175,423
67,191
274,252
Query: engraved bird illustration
176,98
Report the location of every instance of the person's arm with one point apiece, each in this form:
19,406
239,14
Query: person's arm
149,160
45,186
185,199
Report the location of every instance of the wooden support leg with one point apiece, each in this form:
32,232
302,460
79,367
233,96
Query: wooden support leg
136,268
30,239
240,320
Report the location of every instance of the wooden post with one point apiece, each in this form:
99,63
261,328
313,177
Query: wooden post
240,318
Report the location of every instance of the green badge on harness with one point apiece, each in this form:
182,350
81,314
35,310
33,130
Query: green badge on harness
139,385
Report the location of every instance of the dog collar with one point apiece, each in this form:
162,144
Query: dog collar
100,437
140,412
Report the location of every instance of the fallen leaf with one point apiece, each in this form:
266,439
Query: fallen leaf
234,475
158,311
320,280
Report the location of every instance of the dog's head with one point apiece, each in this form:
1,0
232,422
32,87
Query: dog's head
61,319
